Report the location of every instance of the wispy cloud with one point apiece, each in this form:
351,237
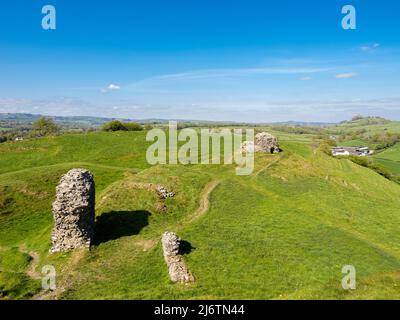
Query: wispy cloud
306,78
64,106
210,74
345,75
368,48
241,72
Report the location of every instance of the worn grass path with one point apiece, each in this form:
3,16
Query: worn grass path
204,203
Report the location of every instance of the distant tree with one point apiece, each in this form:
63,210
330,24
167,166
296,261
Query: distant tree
45,126
326,148
330,142
114,125
357,117
132,126
148,127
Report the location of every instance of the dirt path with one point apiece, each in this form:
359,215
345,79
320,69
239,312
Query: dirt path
204,203
32,270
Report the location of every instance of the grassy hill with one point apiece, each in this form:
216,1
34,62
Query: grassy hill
284,232
370,124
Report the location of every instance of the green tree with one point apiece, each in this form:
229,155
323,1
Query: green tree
133,126
114,125
357,117
45,126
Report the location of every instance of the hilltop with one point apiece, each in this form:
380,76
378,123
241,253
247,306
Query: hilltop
283,232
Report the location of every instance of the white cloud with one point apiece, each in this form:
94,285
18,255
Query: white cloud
306,78
111,87
345,75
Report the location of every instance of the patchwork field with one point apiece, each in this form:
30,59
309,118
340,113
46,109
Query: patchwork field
284,232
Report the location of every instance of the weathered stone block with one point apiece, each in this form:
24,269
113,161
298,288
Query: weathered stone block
74,211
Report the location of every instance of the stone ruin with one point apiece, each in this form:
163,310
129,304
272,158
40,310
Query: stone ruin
164,193
177,268
74,211
266,142
74,222
263,142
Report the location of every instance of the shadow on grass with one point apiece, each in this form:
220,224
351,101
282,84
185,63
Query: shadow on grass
117,224
185,247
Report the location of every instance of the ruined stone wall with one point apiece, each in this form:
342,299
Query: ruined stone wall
177,268
74,211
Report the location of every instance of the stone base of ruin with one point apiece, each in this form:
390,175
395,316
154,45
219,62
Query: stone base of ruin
177,268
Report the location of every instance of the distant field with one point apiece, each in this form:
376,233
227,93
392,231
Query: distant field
354,143
390,158
392,126
392,166
362,139
283,232
392,153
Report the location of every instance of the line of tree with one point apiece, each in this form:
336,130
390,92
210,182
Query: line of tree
299,129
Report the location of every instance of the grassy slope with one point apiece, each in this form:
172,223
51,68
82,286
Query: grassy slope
390,159
283,232
392,153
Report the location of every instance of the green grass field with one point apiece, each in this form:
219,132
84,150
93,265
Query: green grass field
284,232
392,153
390,159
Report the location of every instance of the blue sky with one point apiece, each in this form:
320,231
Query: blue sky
201,59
